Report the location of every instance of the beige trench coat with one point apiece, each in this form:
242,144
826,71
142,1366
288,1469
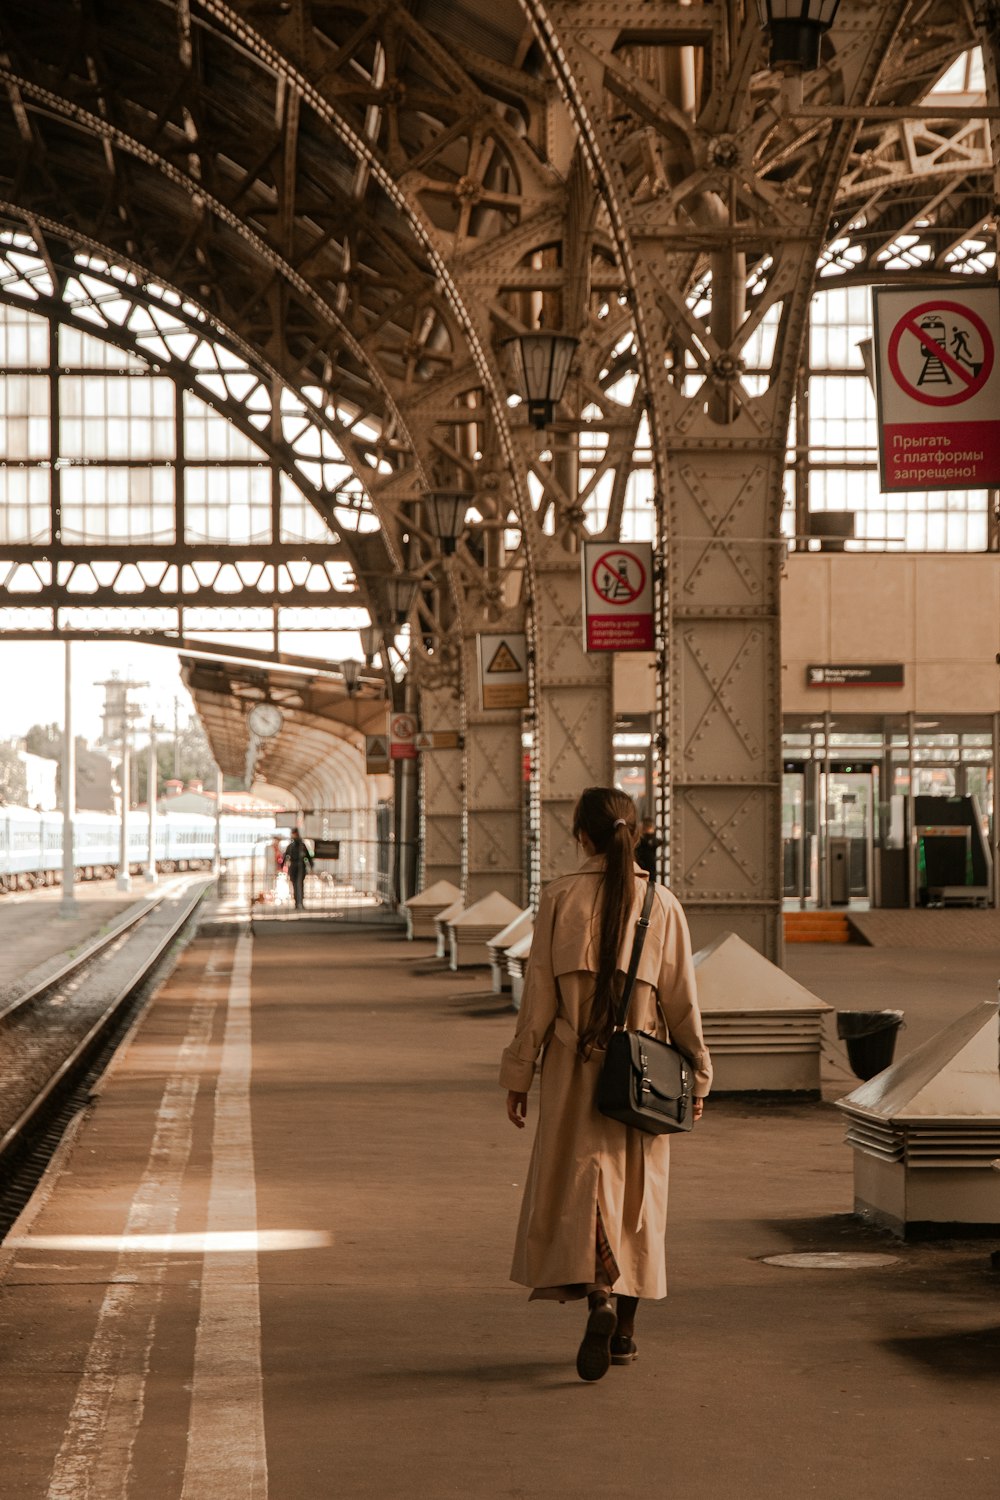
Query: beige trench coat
581,1160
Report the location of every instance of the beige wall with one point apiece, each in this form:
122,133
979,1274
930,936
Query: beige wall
939,616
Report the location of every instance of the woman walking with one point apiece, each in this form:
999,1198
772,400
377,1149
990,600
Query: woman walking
593,1218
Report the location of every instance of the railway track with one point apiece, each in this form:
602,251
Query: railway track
57,1036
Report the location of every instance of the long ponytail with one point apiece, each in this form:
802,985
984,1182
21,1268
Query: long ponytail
607,817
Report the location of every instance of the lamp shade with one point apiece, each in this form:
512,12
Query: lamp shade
350,671
371,642
541,361
795,28
444,512
402,596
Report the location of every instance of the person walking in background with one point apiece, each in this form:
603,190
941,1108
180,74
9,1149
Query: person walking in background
593,1215
296,862
645,849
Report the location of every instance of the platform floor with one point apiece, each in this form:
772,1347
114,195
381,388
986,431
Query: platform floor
273,1263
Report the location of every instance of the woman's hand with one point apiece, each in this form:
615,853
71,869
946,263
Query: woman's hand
517,1108
698,1108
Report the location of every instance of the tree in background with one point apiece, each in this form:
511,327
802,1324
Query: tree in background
13,781
194,762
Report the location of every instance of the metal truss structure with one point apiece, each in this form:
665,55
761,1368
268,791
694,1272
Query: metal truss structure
323,219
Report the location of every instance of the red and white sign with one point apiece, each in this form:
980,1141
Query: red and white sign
618,596
938,386
403,737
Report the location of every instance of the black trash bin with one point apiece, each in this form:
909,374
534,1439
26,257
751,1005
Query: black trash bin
871,1038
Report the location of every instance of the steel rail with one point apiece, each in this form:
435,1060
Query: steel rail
70,1065
80,961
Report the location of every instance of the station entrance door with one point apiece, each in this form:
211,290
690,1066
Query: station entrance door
828,832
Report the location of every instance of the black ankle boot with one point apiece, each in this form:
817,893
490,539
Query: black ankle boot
593,1358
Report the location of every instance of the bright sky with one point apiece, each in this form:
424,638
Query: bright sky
32,677
31,673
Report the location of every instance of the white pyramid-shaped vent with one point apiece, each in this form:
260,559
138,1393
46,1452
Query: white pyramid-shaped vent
763,1029
732,976
450,913
441,894
440,922
926,1132
490,913
423,908
470,932
521,926
953,1076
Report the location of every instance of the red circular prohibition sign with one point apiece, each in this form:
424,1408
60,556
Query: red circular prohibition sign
971,383
629,594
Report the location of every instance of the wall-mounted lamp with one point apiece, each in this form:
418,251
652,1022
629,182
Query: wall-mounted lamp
444,512
796,28
371,642
541,361
402,593
351,673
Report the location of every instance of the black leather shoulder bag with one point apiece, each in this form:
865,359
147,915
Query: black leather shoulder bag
644,1082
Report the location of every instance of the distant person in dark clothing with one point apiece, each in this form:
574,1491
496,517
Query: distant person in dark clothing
296,862
646,847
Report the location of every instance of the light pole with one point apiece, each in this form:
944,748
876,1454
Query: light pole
217,856
151,779
68,904
123,880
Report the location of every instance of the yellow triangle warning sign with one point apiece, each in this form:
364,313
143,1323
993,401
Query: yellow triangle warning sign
504,660
378,747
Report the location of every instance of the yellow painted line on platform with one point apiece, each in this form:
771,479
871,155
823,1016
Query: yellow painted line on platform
226,1455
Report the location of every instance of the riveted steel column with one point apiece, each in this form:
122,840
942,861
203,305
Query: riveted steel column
441,786
725,688
494,806
575,715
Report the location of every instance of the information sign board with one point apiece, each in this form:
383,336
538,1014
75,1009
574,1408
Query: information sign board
503,670
618,596
937,382
841,674
438,739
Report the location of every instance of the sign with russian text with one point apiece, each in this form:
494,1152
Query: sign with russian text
402,737
618,596
438,739
938,386
838,674
503,670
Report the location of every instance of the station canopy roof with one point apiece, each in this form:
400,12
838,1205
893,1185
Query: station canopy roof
317,755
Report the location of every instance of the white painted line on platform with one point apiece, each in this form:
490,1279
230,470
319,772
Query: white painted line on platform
226,1456
95,1458
247,1241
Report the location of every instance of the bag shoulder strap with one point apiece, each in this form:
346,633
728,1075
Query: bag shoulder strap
641,928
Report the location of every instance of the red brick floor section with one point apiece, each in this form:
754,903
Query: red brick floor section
399,1361
956,931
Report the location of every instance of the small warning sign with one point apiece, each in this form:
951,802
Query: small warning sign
503,670
504,660
376,754
938,386
618,596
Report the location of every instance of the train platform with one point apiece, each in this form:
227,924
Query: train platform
270,1263
35,936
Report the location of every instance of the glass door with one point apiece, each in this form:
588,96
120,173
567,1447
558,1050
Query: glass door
850,798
